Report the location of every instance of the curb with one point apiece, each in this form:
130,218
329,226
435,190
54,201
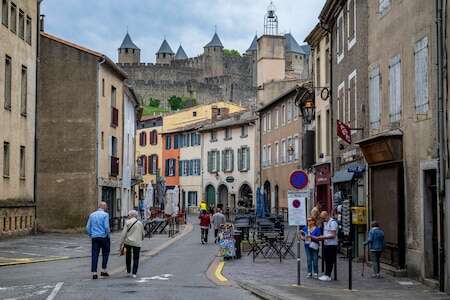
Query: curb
148,253
265,294
215,275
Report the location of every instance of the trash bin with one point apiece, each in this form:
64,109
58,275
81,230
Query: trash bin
237,238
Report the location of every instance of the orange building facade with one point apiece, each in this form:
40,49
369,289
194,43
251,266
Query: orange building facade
170,159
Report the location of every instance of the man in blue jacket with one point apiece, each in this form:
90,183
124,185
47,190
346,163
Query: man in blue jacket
98,229
376,246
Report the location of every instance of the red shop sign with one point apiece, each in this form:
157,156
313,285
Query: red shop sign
344,132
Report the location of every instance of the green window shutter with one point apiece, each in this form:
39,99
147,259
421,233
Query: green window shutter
224,161
209,162
240,159
217,161
232,160
247,168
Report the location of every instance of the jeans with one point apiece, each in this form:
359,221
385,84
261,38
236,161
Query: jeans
204,235
376,261
329,256
135,251
312,258
97,244
216,234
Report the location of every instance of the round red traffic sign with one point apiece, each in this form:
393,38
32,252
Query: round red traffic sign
296,203
299,179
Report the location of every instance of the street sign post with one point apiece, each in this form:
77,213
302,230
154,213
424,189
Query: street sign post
297,216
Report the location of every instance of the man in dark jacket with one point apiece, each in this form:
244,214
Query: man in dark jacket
376,246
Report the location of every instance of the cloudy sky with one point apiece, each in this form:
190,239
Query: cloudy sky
102,24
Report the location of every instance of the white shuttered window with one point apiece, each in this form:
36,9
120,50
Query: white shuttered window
395,94
421,74
374,97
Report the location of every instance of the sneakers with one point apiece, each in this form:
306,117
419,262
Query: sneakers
309,275
134,275
325,278
104,274
315,276
95,276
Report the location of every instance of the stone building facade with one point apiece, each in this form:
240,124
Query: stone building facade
18,63
80,135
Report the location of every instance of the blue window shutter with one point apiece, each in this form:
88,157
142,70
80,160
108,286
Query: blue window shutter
166,172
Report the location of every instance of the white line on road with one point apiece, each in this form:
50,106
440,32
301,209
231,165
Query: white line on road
55,291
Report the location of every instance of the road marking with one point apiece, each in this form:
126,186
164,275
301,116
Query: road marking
5,261
218,272
55,291
158,277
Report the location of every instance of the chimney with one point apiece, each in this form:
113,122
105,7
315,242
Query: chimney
41,23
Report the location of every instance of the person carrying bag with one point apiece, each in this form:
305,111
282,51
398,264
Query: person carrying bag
131,241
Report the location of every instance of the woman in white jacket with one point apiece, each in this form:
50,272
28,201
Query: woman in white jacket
131,241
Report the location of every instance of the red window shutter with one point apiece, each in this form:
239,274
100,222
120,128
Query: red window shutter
140,139
156,140
144,164
145,138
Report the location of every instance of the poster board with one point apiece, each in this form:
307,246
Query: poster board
297,201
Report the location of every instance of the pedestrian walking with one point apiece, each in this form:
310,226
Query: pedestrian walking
98,230
205,223
217,220
376,244
131,241
330,239
310,236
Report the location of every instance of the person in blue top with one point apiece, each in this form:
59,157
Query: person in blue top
376,246
98,229
312,247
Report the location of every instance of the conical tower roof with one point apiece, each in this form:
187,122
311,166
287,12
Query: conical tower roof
254,44
292,45
128,43
165,48
181,54
215,42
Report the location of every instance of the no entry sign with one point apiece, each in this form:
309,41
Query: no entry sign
299,179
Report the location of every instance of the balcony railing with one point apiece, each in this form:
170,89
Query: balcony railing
114,166
114,117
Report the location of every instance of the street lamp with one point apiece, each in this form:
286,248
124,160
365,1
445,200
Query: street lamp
304,100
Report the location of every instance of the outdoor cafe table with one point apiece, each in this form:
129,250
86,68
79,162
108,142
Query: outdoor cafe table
274,242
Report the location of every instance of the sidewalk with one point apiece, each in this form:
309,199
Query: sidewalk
270,279
56,246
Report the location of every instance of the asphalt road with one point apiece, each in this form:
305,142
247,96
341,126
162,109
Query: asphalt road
178,272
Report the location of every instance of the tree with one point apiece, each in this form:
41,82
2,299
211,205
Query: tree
231,52
176,103
154,102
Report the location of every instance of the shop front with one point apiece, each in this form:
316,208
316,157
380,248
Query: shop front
383,154
322,186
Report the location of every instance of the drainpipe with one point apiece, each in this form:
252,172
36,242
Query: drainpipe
441,139
38,39
97,108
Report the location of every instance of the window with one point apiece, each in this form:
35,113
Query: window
296,148
168,142
114,110
7,89
351,23
227,160
351,106
269,121
213,161
103,140
244,159
227,133
395,96
194,113
276,157
23,91
244,131
383,7
264,156
283,114
421,75
340,37
103,87
277,118
6,159
319,134
192,199
327,66
213,135
283,151
197,171
13,18
113,96
143,138
170,167
290,149
114,149
28,30
374,97
341,102
269,155
264,123
5,12
22,162
153,164
153,137
318,71
176,141
289,111
21,25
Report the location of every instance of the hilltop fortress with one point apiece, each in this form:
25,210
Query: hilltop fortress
209,77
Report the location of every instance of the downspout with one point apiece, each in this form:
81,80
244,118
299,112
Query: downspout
36,95
97,110
441,139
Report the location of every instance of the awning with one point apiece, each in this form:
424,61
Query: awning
342,176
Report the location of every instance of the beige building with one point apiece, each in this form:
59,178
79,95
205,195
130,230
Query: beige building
401,149
319,40
80,135
18,60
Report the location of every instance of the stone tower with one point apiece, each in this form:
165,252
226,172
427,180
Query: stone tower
213,57
181,54
270,50
296,57
165,55
129,53
251,52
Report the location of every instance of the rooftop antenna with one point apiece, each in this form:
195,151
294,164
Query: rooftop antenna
271,20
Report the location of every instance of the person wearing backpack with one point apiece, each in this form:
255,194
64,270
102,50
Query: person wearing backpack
376,244
131,241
